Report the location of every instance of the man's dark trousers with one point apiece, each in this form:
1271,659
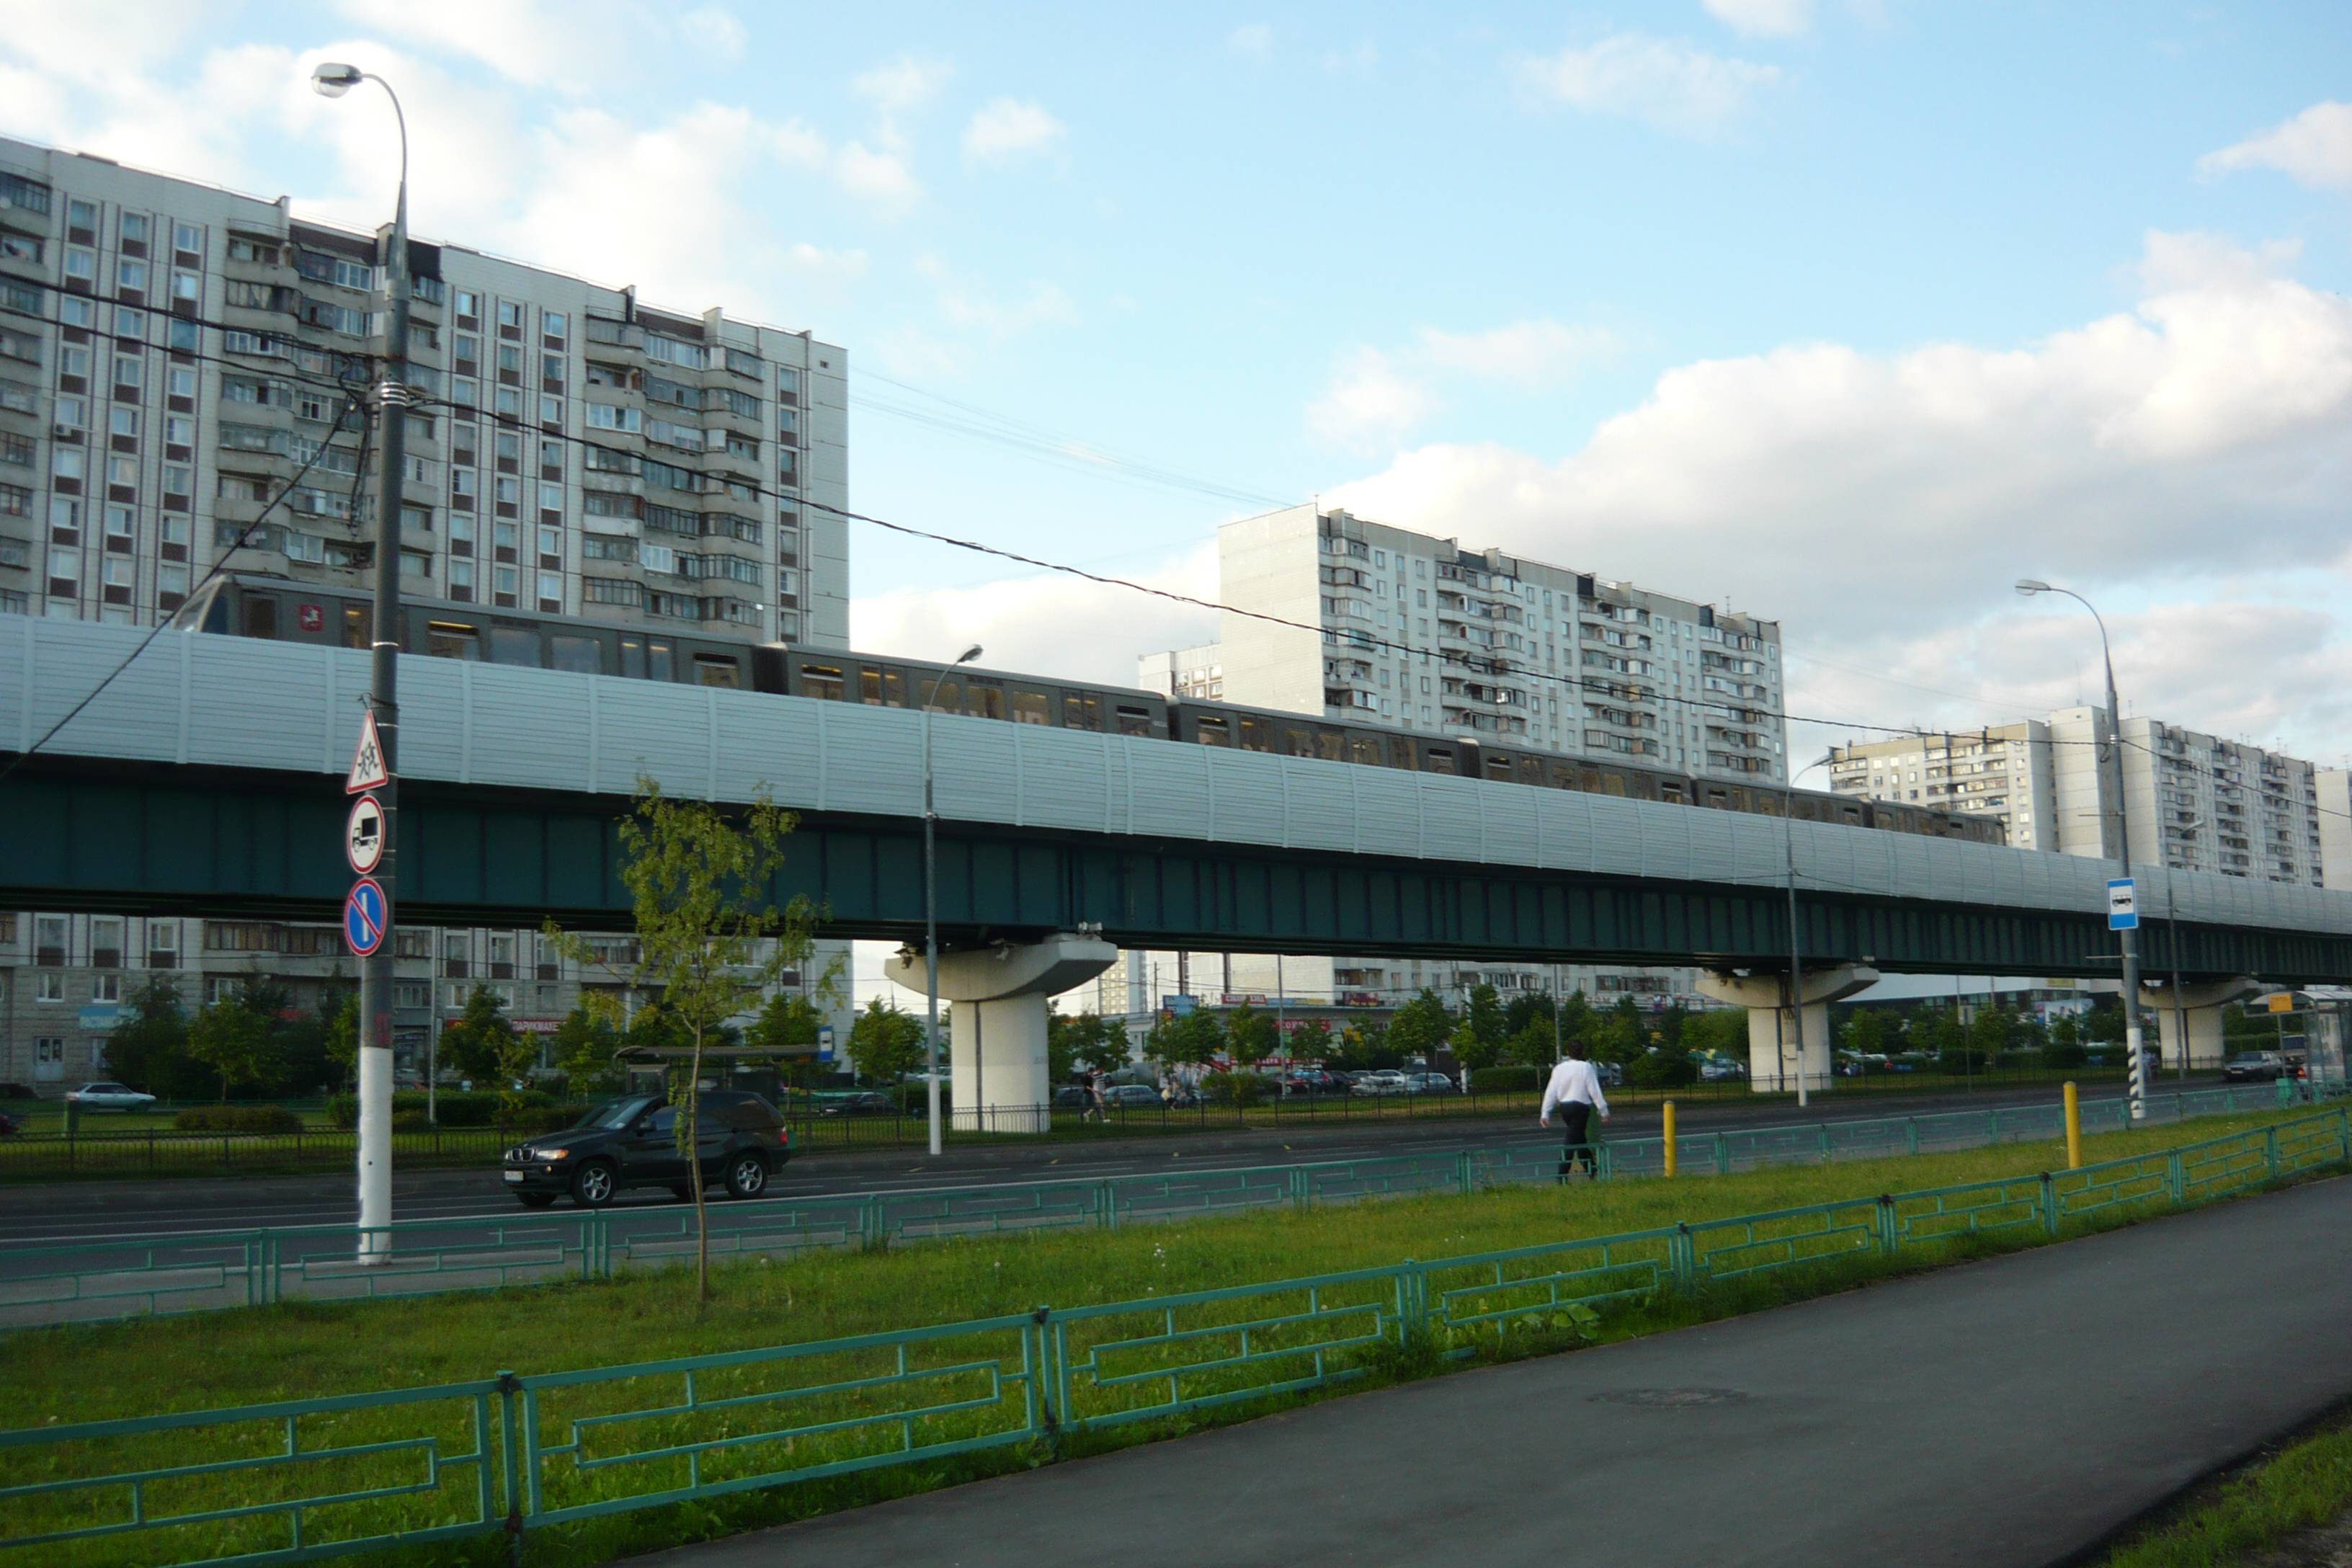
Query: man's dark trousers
1576,1122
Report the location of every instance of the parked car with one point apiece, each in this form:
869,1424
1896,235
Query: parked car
9,1125
2256,1065
1072,1096
1428,1083
1309,1081
1611,1076
740,1142
110,1097
854,1102
1387,1081
1720,1069
1132,1096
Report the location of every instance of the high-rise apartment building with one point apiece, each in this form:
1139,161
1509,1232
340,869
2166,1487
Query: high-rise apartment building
2191,800
172,354
2333,800
1392,626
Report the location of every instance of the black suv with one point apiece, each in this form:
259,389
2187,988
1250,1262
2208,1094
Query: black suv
633,1142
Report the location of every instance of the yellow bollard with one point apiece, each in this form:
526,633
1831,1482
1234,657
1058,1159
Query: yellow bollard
1673,1162
2074,1129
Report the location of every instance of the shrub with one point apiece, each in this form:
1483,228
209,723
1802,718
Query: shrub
1244,1088
1500,1080
1960,1061
1661,1070
2069,1055
540,1113
238,1119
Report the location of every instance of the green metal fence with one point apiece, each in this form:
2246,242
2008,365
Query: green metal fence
323,1477
302,1480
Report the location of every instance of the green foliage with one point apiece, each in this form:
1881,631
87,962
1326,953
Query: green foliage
1192,1037
1478,1039
477,1043
788,1024
149,1049
1531,1047
1993,1031
238,1119
235,1042
1249,1034
582,1049
1363,1044
885,1043
1620,1035
1527,1008
1668,1066
1497,1081
1087,1041
530,1110
2065,1046
1578,1021
710,940
1313,1041
1960,1059
1936,1029
1420,1026
2105,1023
340,1035
1721,1031
1866,1032
1242,1089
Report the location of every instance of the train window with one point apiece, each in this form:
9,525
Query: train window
217,614
1852,813
1212,732
580,654
946,695
1672,790
1031,707
1297,740
883,686
1498,766
821,681
1081,710
514,645
1531,771
1333,746
982,700
451,639
357,621
1401,754
1257,735
1565,777
1134,720
1613,782
260,616
718,669
869,683
1364,751
659,656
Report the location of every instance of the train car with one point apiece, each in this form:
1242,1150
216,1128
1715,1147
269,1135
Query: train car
1303,735
258,605
830,675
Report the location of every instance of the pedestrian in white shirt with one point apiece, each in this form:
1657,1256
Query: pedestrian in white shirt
1575,1091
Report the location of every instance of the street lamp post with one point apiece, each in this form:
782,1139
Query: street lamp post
931,912
333,81
2134,1035
1796,953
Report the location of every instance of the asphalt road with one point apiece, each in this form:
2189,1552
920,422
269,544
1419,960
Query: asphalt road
63,1212
2013,1412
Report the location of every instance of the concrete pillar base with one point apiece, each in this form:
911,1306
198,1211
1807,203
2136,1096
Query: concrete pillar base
997,1044
2198,1006
1772,1064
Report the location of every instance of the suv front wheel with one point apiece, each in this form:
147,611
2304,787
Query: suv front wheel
593,1185
747,1176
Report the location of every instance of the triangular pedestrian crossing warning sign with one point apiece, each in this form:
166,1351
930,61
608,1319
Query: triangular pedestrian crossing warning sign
368,771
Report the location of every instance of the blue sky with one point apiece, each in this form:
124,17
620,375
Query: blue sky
1849,312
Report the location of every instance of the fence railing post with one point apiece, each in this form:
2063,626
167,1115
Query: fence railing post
1107,1206
1911,1135
510,1464
2176,1178
1466,1176
1682,1256
2269,1152
1890,1225
1825,1142
1302,1189
2049,1204
1722,1155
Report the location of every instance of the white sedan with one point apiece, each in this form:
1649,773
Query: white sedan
110,1097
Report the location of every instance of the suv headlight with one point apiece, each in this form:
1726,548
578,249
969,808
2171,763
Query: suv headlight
547,1153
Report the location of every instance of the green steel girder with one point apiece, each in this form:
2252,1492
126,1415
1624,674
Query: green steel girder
82,833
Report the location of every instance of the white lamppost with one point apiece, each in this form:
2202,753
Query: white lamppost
931,911
1796,953
2172,937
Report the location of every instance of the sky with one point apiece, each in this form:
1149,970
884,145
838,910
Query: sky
1845,313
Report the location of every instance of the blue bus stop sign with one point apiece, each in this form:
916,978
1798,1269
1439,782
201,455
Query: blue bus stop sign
364,917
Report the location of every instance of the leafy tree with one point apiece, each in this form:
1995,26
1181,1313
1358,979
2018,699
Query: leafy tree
1419,1027
235,1042
1527,1008
1668,1066
1532,1045
1620,1036
149,1049
1578,1021
1939,1034
711,938
479,1041
1088,1041
1249,1035
2105,1023
1182,1040
340,1034
1313,1041
788,1027
1991,1031
582,1050
2065,1046
306,1042
1718,1031
1866,1032
1478,1039
887,1043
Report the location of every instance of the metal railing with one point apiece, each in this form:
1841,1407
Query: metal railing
114,1276
304,1479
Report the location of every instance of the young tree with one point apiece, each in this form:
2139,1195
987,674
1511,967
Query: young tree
479,1041
888,1044
235,1042
1088,1041
149,1049
340,1037
1312,1041
1578,1021
583,1048
1620,1036
1866,1032
1249,1036
1527,1008
1478,1039
711,938
1179,1041
1420,1026
788,1027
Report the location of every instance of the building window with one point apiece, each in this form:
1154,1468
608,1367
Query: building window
50,987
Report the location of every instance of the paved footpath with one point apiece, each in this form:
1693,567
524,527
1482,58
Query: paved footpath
2008,1412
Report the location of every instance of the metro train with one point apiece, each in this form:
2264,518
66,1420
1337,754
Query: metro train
262,605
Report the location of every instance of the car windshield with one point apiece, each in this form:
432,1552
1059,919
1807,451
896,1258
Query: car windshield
618,1112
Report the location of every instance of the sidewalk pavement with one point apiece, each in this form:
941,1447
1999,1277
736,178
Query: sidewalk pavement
2013,1410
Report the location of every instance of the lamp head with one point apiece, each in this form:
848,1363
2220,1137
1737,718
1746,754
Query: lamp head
333,81
968,654
2029,586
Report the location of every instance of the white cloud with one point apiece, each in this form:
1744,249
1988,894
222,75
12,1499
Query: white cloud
2188,453
1763,18
714,30
2314,148
1369,403
1669,84
1253,41
1051,625
1529,354
905,83
1007,127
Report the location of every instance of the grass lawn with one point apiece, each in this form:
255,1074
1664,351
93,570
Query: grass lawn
2306,1483
300,1349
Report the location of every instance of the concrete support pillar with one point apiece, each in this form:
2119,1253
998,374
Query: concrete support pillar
1772,1065
998,1044
2198,1006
